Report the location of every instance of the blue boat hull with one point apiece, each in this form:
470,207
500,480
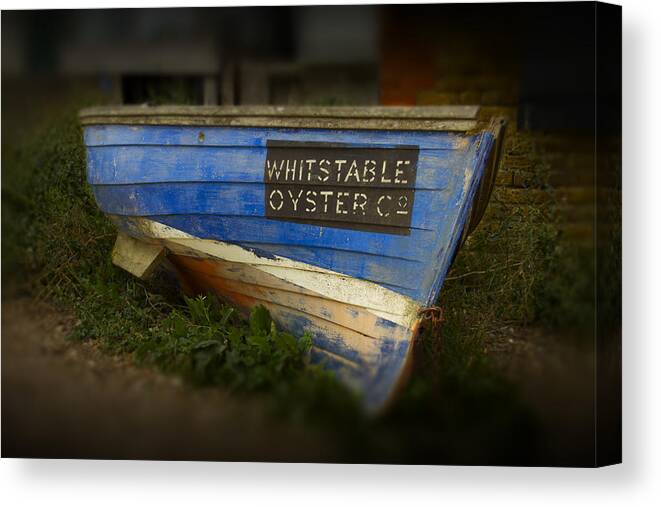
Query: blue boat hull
355,278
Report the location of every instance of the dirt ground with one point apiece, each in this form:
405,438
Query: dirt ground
68,399
556,377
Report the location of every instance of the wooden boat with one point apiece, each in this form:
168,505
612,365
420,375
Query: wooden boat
341,221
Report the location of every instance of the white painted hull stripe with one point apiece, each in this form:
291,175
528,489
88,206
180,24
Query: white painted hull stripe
381,301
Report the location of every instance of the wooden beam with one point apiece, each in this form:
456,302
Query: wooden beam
135,256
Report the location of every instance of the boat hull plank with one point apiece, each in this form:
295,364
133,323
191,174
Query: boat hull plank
249,281
242,200
122,135
365,262
159,164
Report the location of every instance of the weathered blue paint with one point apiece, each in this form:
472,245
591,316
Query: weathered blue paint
445,253
350,374
232,200
390,366
385,323
213,189
263,232
375,377
159,164
334,343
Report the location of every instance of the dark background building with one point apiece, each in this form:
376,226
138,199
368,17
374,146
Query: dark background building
537,58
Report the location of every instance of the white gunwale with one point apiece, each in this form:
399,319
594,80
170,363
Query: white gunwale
434,118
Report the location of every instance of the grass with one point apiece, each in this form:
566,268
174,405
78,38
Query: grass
457,408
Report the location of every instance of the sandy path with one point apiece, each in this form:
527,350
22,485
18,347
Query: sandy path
66,399
69,400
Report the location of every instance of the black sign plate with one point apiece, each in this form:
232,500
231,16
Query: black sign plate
369,189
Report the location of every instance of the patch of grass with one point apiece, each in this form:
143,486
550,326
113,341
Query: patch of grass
516,269
56,235
200,339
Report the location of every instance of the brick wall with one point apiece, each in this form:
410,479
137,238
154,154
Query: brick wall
452,60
